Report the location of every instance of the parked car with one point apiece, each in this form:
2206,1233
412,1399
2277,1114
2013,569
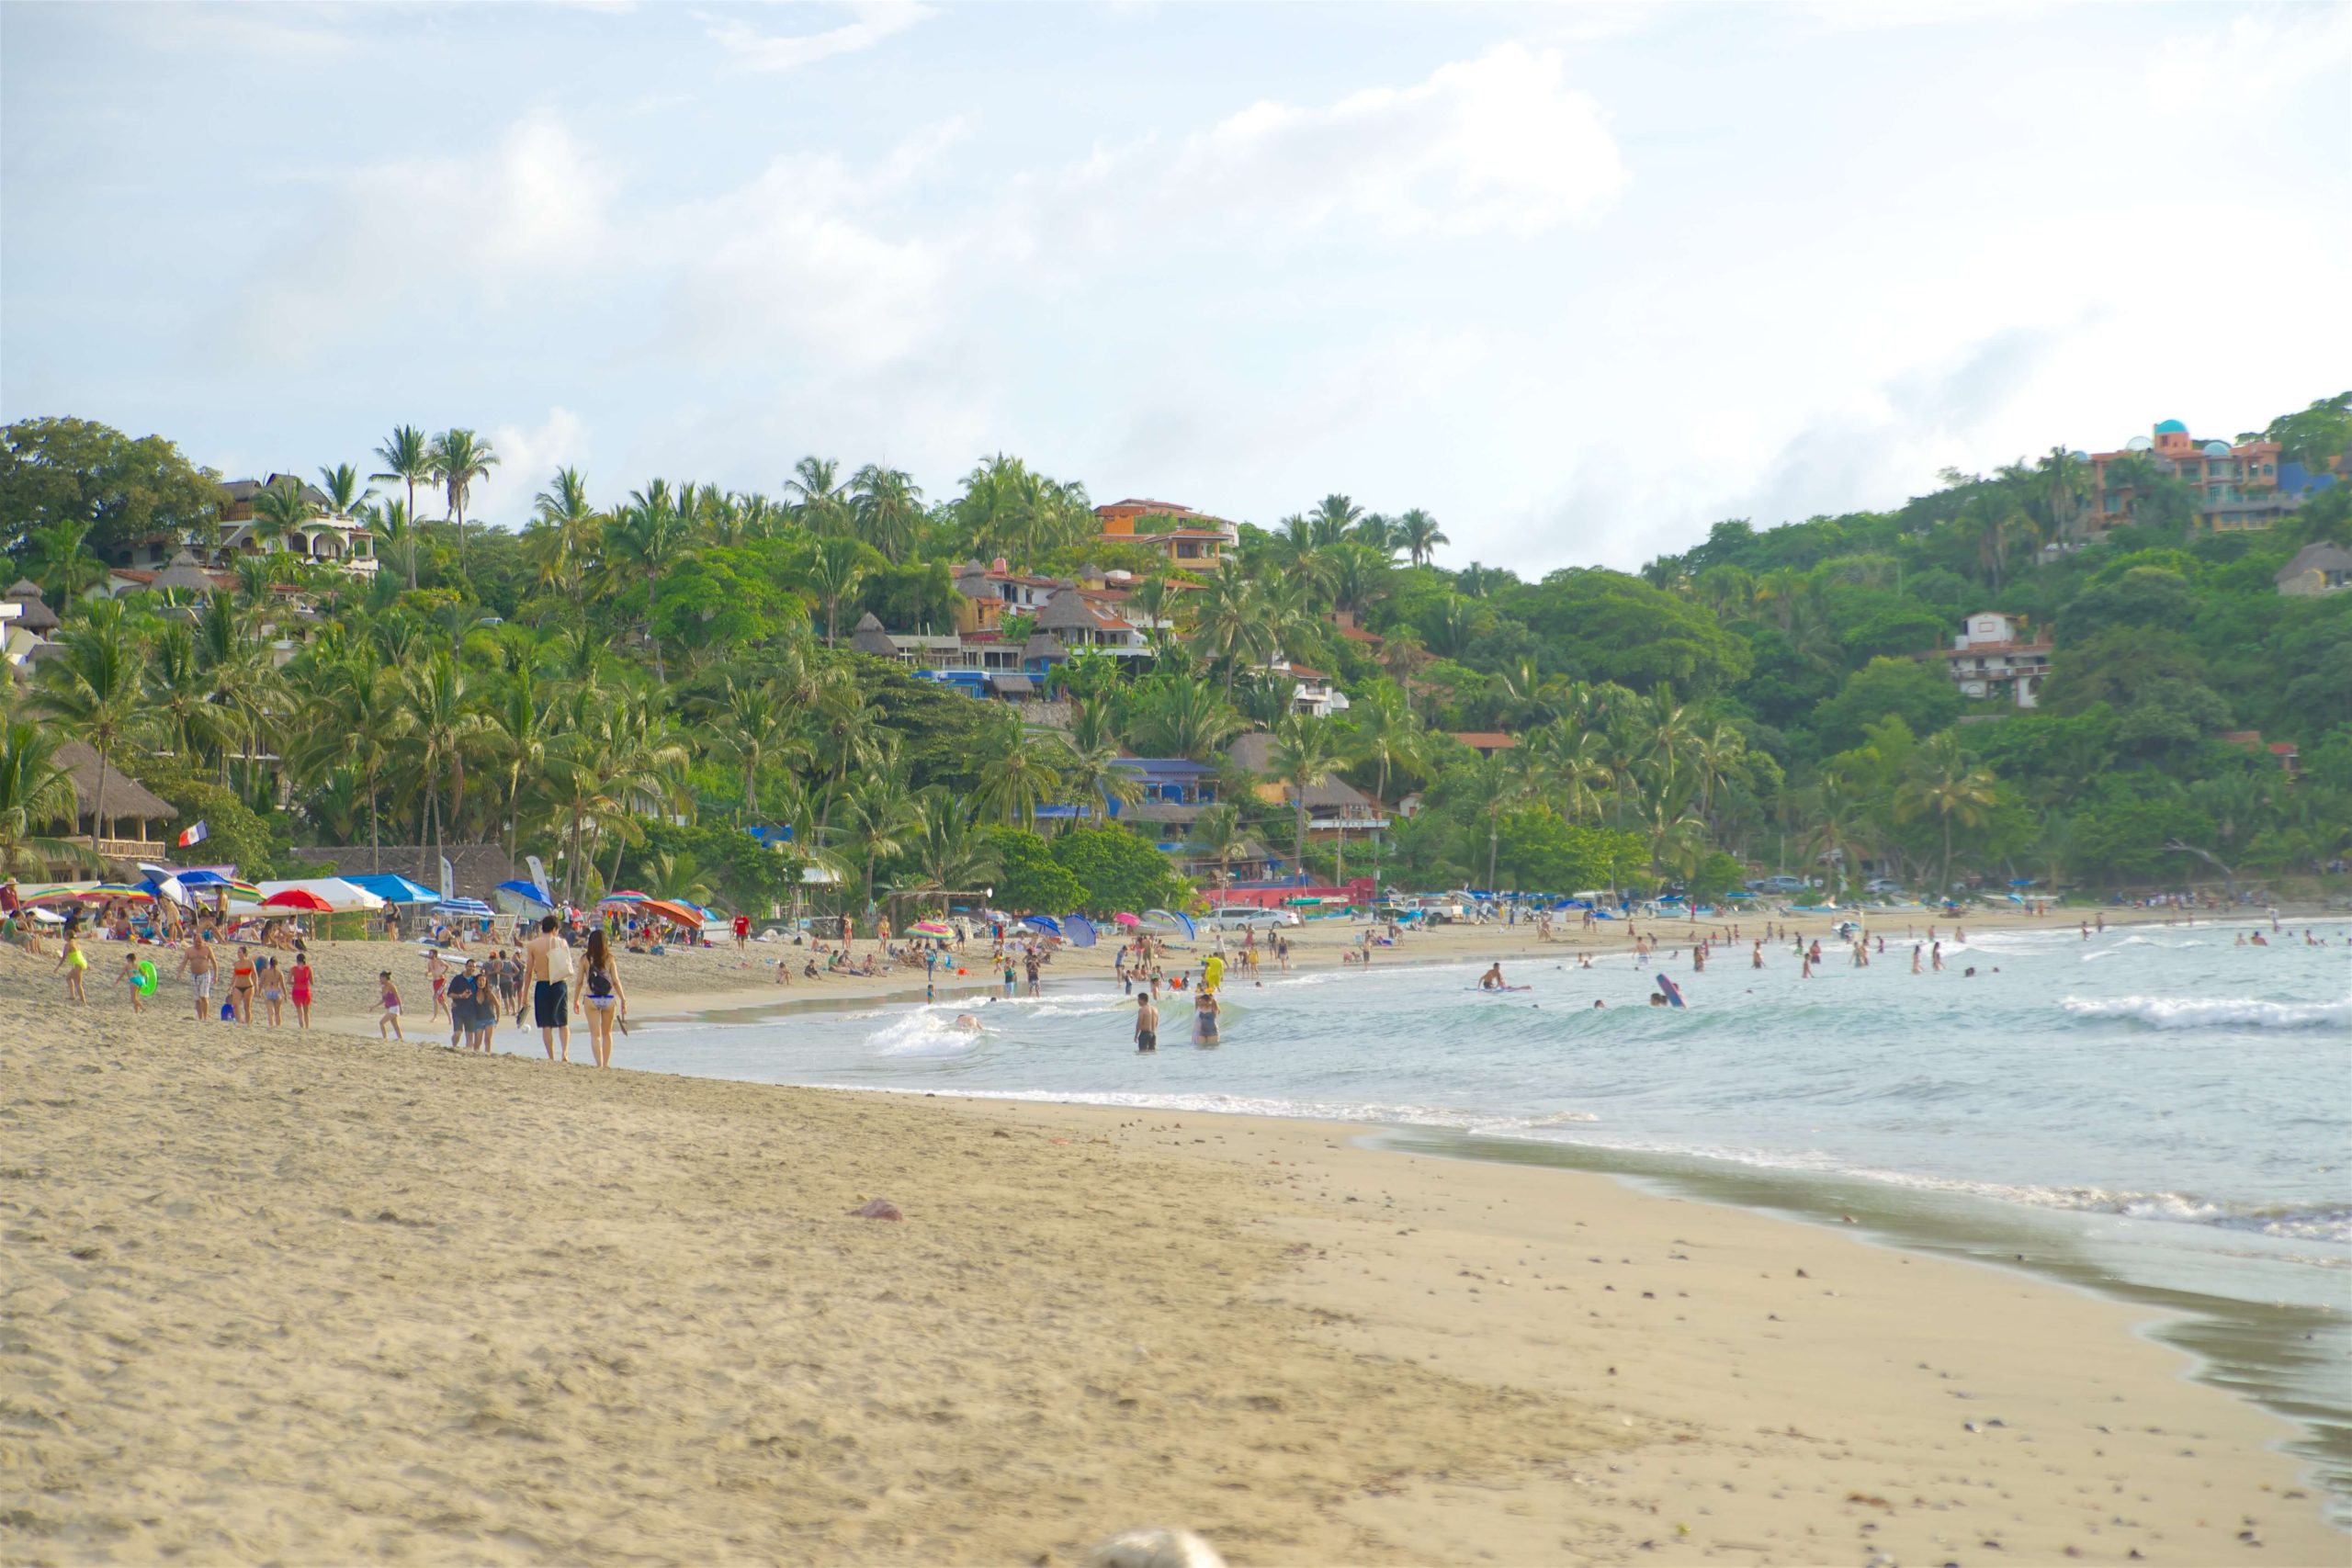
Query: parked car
1779,885
1241,917
1882,885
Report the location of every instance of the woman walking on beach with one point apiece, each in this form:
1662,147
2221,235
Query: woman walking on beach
300,987
75,964
601,986
389,1026
273,990
241,987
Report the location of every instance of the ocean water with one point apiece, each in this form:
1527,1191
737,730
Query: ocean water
2157,1112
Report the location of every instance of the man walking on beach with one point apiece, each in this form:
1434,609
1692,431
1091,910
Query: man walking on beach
196,962
549,970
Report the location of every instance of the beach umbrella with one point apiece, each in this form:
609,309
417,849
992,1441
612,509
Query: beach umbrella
49,894
676,914
467,907
1127,919
1171,917
297,898
106,892
931,927
1079,930
1045,923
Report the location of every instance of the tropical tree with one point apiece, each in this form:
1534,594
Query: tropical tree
1386,735
951,851
887,506
394,528
560,539
836,565
1419,536
1016,774
876,818
34,794
1305,751
436,727
458,460
348,722
1942,784
57,558
641,542
821,504
1217,833
279,510
342,489
1334,517
407,457
757,727
1092,776
93,691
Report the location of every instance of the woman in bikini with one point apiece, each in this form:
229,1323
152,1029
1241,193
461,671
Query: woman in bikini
74,962
601,986
241,987
273,990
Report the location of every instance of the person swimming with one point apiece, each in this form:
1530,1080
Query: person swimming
1492,980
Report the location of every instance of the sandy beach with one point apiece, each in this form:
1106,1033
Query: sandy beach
272,1297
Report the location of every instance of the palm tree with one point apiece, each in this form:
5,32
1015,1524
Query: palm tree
341,485
179,696
279,510
758,726
1016,775
878,818
459,458
1230,621
560,539
1183,717
821,504
439,726
242,672
1092,778
394,527
1305,751
1943,784
407,457
1490,787
643,540
1218,832
93,689
1419,536
836,564
951,853
887,508
1840,824
35,794
518,725
56,559
1387,734
587,785
2065,483
348,723
1333,517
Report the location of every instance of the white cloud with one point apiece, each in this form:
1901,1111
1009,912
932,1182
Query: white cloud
526,458
875,21
1496,145
528,212
2259,54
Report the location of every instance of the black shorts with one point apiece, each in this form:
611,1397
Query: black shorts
1146,1040
552,1004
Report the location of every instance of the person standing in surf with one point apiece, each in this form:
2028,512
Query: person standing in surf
1147,1025
1204,1019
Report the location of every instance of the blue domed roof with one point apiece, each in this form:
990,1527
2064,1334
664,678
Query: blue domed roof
2172,427
2138,444
2217,448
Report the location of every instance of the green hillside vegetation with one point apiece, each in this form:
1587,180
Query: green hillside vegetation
627,685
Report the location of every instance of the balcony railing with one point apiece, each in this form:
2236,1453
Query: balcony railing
119,848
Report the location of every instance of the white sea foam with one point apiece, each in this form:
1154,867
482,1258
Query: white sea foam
926,1032
2207,1012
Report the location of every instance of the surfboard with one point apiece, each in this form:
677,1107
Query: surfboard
1673,992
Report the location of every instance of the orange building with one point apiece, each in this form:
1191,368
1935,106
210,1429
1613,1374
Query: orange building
1188,538
2237,484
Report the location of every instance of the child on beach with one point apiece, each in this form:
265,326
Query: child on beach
389,1026
139,973
74,963
300,978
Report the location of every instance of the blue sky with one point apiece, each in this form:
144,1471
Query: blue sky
1578,280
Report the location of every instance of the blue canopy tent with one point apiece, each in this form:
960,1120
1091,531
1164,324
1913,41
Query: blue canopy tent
394,889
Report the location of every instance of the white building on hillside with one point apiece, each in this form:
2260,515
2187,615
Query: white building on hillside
1992,657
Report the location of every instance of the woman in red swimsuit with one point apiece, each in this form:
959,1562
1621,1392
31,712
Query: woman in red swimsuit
299,979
